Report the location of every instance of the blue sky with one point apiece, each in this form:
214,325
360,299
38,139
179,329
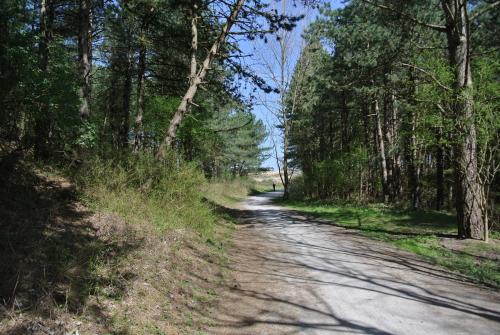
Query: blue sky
260,51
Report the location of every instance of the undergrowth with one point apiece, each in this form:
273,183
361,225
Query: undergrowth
145,255
140,189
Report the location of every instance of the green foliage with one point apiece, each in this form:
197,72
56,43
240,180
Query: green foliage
159,111
87,136
368,69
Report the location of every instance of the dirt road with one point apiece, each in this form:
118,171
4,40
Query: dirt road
296,275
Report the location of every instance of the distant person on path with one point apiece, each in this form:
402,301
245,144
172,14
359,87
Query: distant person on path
274,186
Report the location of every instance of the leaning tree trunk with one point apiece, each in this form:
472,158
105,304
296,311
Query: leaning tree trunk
85,57
469,198
188,97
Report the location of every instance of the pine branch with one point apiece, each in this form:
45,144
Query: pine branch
483,10
233,128
409,17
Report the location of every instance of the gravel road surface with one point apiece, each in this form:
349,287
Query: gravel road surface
298,275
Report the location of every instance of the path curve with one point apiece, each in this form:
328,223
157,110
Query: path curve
297,275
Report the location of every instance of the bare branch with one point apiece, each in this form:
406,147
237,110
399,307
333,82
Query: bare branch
429,75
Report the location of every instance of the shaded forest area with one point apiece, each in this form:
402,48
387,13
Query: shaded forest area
399,103
80,78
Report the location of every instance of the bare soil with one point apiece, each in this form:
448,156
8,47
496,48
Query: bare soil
482,251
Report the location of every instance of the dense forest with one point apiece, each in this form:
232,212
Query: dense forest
132,131
398,102
86,77
389,102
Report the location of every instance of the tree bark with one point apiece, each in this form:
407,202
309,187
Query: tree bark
439,170
286,179
395,125
85,57
469,198
125,110
369,147
141,80
413,164
183,108
141,87
194,40
381,147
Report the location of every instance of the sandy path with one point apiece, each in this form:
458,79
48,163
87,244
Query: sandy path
295,275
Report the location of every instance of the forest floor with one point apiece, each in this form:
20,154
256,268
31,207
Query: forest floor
430,234
69,269
297,274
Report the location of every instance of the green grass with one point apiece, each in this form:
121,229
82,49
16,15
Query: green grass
419,232
143,190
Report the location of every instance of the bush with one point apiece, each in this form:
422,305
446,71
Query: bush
143,190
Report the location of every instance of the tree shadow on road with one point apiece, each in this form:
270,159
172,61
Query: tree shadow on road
269,254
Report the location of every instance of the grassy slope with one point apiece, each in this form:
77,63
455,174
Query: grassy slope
426,233
193,267
119,247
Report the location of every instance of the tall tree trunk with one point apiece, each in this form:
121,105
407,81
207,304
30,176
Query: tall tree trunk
369,148
85,57
286,177
396,154
198,80
439,170
194,40
469,198
381,147
141,87
413,164
125,110
141,80
43,117
387,131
